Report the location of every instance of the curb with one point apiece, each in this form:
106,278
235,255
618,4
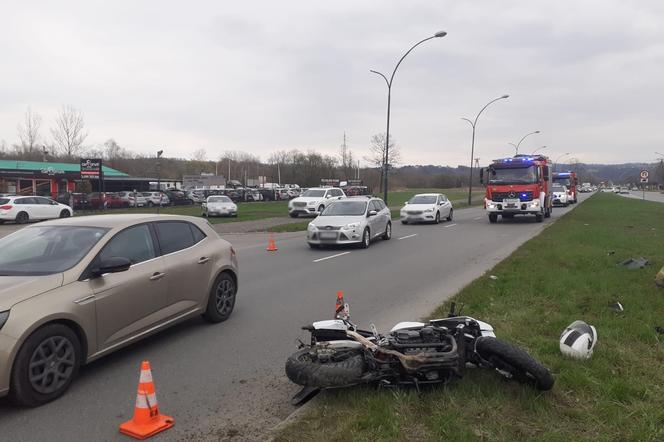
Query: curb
294,416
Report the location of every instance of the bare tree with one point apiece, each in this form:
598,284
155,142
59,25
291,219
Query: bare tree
69,133
199,155
28,131
376,155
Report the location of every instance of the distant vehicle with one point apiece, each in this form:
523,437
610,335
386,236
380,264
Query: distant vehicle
197,196
252,195
282,194
268,194
356,220
569,180
98,283
314,200
623,189
106,200
634,188
607,189
179,198
519,185
77,201
156,198
23,209
427,207
132,199
560,195
218,205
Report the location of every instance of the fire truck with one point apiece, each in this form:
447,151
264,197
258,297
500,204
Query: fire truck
567,179
520,185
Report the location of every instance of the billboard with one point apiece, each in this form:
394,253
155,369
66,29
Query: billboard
90,168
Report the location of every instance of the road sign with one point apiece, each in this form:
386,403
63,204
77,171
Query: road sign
644,176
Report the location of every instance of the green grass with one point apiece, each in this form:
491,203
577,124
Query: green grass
564,274
246,211
292,227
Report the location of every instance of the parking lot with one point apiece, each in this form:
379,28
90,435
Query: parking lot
227,380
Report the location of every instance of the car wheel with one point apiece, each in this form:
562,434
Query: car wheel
320,209
451,215
388,232
293,215
437,218
150,204
22,218
366,239
222,299
45,365
65,214
312,246
493,218
404,222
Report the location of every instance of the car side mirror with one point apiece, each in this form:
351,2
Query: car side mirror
115,264
372,213
328,196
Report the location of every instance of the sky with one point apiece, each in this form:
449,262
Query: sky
261,76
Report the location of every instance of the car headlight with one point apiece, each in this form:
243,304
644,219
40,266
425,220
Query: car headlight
428,211
311,227
3,318
312,203
535,203
351,226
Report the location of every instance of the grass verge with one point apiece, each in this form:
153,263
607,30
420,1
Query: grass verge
292,227
566,273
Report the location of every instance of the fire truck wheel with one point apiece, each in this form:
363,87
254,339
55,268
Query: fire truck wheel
493,218
539,217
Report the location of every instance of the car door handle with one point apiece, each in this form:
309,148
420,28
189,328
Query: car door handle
203,259
157,275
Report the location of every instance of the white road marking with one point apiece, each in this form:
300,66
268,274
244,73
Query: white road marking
405,237
479,217
330,257
450,225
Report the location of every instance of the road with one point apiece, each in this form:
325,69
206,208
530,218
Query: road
649,196
227,380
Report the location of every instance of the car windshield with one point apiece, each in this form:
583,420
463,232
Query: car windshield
44,250
345,208
513,175
312,193
563,181
219,199
423,199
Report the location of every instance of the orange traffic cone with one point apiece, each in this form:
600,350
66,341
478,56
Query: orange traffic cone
146,421
271,245
339,307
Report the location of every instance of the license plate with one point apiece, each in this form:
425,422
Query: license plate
328,235
511,201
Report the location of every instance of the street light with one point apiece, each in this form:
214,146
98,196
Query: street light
555,163
159,153
389,99
539,148
519,143
473,124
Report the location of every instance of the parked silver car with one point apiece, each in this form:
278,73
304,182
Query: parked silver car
156,198
355,220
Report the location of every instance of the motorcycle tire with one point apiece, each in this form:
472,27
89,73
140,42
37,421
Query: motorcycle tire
505,356
302,370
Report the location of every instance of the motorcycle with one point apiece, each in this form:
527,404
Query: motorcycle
412,353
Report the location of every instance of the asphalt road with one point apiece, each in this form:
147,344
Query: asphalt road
648,196
227,380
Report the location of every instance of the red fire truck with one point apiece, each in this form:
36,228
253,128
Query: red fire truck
520,185
567,179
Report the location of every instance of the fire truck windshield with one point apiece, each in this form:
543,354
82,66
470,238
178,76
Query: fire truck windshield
513,175
565,181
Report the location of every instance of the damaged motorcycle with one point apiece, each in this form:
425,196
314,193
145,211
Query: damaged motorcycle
412,353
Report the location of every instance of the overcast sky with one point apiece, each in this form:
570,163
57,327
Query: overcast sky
259,76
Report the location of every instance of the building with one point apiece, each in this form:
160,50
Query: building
46,179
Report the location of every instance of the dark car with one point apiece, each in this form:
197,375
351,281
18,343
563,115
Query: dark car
179,198
268,194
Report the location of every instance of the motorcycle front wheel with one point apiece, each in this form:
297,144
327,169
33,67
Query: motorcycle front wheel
513,360
304,368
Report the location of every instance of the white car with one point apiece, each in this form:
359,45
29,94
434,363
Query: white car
427,207
314,201
133,199
156,198
355,220
23,209
560,196
219,205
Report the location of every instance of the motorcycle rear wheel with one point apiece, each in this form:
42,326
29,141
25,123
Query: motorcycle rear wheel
507,357
303,370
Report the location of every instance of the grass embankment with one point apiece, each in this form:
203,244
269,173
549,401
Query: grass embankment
568,272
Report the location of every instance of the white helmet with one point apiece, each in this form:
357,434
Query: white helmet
578,340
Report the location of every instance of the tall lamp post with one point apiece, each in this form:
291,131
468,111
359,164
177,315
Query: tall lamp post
516,146
159,153
473,124
539,148
555,163
386,157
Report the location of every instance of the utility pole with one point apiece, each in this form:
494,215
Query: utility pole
159,153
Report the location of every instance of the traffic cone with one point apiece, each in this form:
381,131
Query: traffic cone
339,307
146,421
271,245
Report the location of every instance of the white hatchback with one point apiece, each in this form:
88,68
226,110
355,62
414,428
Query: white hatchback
427,207
23,209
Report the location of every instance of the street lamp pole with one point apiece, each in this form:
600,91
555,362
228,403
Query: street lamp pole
555,163
519,143
473,124
539,148
159,153
386,157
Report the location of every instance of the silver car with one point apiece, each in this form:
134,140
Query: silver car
356,220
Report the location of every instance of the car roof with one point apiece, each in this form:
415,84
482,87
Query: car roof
116,220
427,194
